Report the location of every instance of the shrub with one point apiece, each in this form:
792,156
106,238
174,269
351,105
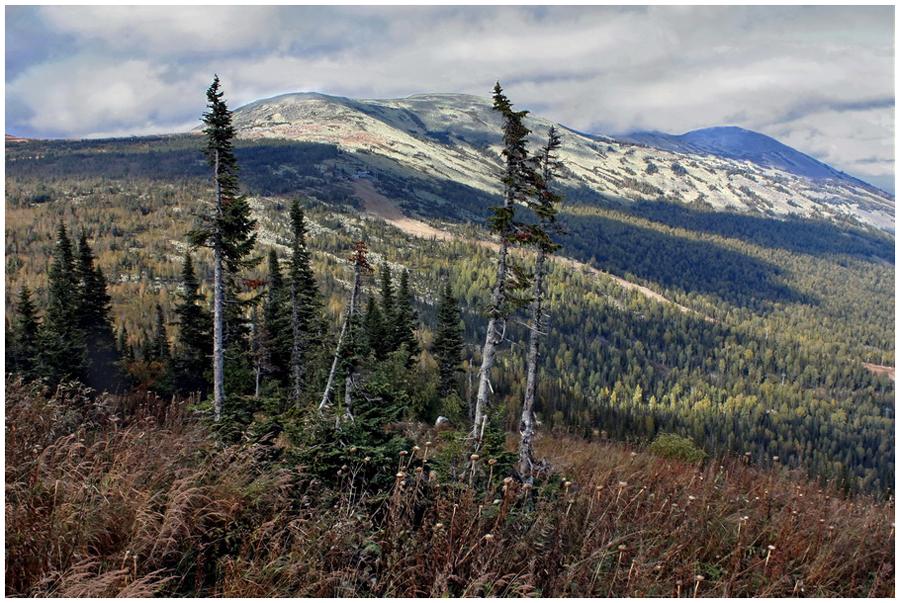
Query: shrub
673,446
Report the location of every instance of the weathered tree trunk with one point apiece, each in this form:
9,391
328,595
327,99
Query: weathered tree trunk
337,352
526,427
218,304
495,330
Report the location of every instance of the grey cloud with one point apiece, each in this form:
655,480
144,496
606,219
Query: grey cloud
820,78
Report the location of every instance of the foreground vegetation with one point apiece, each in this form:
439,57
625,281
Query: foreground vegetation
137,495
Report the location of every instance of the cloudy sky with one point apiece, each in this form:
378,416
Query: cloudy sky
820,79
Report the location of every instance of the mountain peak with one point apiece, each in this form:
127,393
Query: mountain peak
739,143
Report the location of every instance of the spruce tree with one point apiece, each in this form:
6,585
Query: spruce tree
193,346
545,206
305,306
160,345
94,306
62,355
274,334
448,342
24,336
229,231
374,329
517,182
405,319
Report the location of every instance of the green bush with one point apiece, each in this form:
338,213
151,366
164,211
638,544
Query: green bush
673,446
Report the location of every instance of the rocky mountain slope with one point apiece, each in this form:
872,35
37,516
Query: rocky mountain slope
452,138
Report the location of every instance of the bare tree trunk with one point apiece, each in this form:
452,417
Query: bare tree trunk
495,330
526,427
218,305
337,352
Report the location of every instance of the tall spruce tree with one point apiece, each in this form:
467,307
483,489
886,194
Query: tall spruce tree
24,336
193,345
274,335
545,206
305,306
94,306
405,319
448,342
63,353
517,184
229,231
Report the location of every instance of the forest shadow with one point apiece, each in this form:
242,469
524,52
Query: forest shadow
693,266
800,235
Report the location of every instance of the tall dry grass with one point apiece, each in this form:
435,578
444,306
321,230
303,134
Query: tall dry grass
150,504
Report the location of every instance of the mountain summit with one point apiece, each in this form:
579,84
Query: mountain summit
745,145
428,142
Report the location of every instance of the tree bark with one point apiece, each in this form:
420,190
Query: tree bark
495,328
218,304
526,427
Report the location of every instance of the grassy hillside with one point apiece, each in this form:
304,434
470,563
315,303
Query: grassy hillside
132,496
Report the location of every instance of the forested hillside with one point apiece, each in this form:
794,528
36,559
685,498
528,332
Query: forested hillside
770,361
256,336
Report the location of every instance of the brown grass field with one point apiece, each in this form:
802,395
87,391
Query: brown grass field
133,497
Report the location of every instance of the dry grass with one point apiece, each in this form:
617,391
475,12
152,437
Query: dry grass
95,508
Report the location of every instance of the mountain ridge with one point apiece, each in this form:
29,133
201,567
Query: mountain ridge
454,138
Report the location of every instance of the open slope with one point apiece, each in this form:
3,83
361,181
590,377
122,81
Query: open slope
455,138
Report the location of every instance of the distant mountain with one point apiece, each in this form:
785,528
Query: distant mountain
744,145
425,143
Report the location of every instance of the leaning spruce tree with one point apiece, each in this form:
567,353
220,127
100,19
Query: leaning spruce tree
229,231
517,181
545,205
